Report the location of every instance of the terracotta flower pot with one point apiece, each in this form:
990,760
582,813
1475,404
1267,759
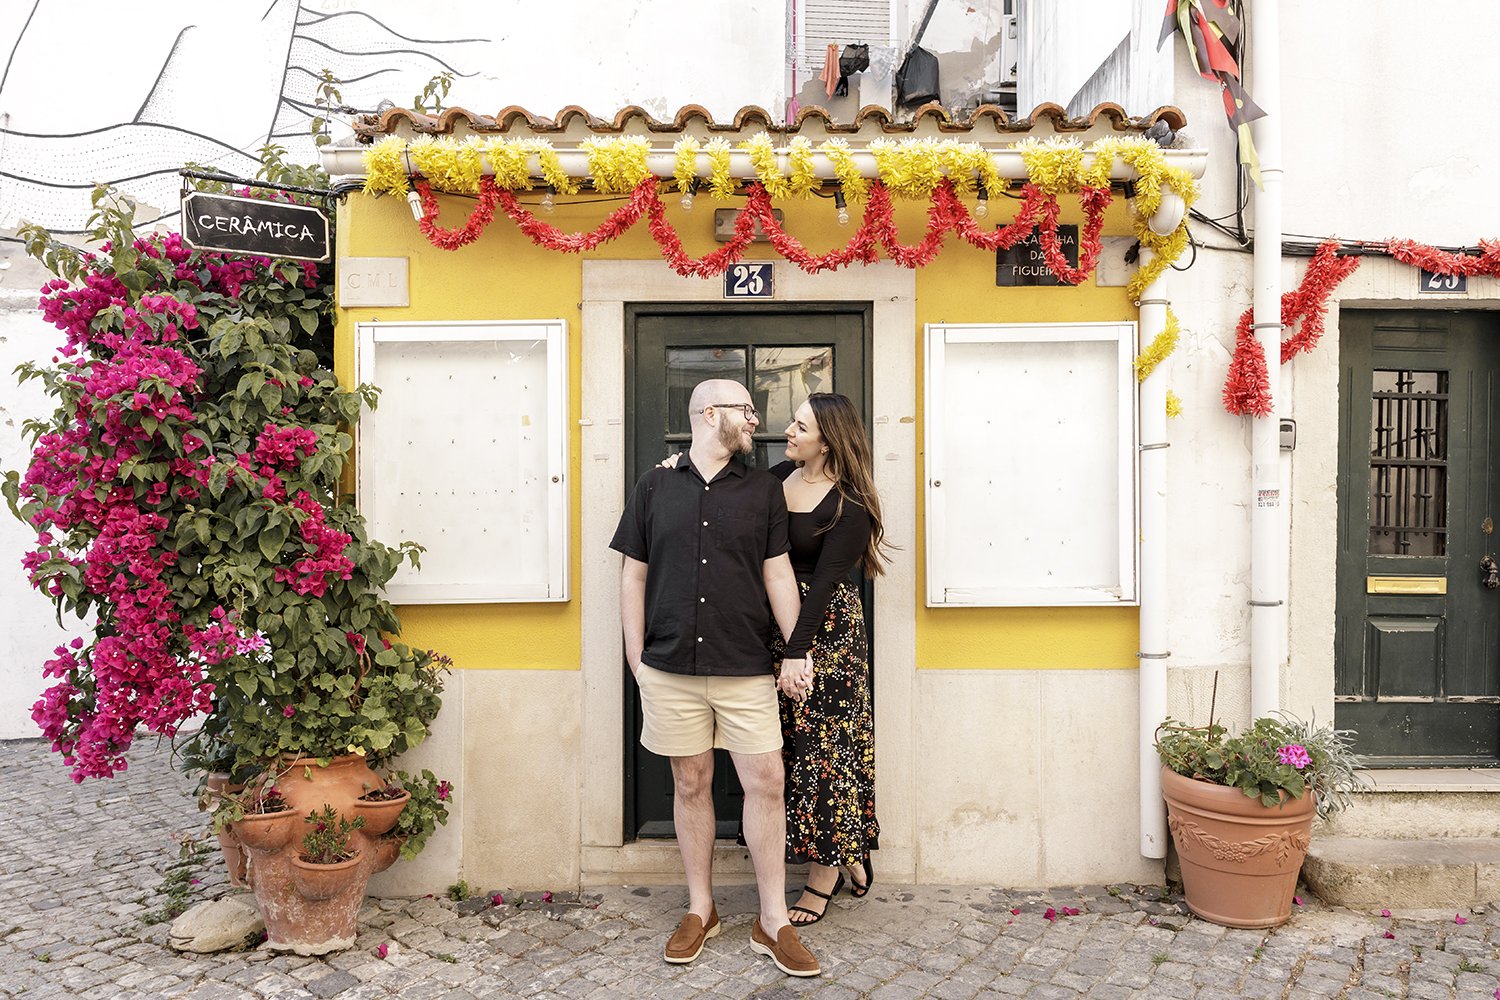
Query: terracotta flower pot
380,816
266,831
315,881
1239,858
313,909
216,784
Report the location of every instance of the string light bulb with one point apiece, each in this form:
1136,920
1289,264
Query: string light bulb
982,207
687,195
842,206
414,202
547,204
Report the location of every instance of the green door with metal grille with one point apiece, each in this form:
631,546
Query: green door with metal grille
1417,648
781,352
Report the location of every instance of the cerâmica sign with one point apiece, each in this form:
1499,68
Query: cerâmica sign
253,226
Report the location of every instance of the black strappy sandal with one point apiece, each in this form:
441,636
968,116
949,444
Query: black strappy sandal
857,890
827,898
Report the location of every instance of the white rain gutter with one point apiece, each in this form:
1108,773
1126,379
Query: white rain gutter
1268,507
348,161
1153,491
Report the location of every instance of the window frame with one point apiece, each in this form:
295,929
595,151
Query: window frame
944,592
553,588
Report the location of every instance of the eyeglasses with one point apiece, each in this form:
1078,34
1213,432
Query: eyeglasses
749,411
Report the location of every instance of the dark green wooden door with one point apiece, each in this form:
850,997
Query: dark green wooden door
781,353
1416,652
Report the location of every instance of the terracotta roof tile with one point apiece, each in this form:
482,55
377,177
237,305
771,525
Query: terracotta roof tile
694,117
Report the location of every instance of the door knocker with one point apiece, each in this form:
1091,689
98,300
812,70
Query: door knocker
1490,572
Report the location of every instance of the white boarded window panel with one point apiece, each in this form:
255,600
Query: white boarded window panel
841,22
1031,471
466,455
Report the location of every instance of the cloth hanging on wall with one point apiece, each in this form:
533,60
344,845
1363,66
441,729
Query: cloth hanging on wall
917,79
1211,31
830,74
854,59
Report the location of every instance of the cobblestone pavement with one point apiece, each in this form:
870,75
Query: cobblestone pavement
86,870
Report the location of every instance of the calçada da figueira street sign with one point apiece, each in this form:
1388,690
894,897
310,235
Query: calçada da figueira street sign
254,226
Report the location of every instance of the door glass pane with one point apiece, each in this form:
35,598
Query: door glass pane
784,377
1409,463
686,367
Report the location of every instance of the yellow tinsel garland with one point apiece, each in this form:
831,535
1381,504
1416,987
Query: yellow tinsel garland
1174,404
1161,347
908,168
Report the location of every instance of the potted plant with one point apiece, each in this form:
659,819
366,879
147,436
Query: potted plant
1241,809
185,495
324,867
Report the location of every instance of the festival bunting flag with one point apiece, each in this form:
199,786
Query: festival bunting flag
1211,30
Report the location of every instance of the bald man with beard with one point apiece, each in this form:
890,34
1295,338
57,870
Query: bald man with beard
706,569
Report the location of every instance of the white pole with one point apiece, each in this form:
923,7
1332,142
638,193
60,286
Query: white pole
1153,618
1268,511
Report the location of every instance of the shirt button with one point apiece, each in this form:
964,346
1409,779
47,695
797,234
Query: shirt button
705,489
702,599
705,524
700,638
704,561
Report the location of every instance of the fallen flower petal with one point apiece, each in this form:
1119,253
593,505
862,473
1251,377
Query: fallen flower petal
547,897
381,950
1390,936
1153,921
1385,913
1297,900
1015,911
1051,915
1460,920
1070,911
497,900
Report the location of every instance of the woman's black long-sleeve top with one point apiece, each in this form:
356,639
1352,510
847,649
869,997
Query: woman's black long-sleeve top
822,559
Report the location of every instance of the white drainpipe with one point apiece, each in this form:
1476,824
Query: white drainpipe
1269,508
1153,491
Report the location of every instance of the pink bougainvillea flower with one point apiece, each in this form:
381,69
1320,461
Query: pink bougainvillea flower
1070,911
1153,921
1389,936
497,900
1297,900
1051,915
1294,754
1459,919
1385,913
547,897
381,950
195,881
1015,911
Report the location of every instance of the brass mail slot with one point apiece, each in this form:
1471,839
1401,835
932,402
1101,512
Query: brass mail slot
1406,584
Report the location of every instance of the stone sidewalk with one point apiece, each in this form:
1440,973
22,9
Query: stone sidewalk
88,871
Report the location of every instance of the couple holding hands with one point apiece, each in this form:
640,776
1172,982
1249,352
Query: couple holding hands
736,586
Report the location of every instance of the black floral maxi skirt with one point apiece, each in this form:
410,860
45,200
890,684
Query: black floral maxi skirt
829,745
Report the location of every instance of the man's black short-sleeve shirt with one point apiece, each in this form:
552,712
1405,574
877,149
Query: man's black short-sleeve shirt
704,544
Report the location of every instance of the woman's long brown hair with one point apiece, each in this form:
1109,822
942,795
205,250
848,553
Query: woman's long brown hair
849,465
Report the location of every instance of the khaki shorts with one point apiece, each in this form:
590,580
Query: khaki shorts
684,715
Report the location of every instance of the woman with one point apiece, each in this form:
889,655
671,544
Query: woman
829,736
826,717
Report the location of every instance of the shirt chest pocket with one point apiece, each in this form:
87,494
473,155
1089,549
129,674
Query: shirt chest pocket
737,531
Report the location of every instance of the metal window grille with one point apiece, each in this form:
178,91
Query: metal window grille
1409,463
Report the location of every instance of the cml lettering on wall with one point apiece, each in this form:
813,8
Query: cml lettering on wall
254,226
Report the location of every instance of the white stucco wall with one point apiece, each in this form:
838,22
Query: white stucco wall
1369,154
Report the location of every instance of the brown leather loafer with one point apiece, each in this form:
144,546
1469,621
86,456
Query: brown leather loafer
787,951
686,942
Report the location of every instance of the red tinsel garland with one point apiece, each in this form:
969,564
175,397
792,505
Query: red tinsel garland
1441,262
946,214
1247,386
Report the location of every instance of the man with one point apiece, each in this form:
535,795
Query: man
705,546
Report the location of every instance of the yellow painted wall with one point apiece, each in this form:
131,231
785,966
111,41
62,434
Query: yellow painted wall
961,289
503,276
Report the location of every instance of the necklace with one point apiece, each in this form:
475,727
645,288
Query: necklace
822,478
